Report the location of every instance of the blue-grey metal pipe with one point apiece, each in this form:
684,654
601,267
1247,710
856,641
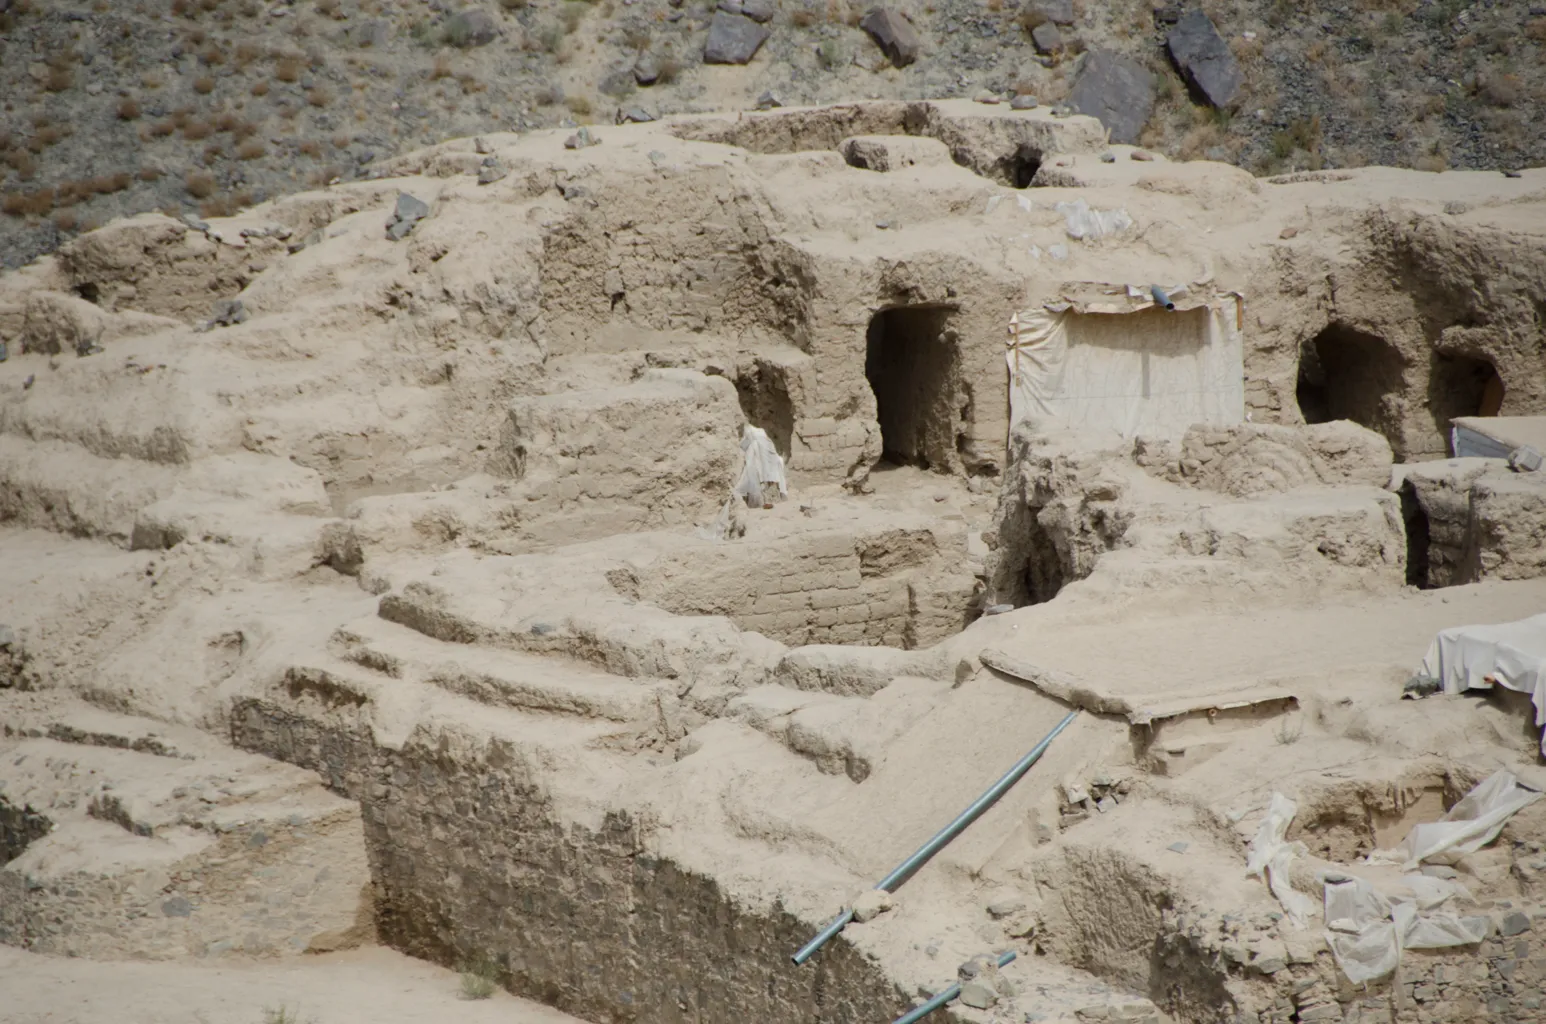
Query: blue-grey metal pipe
905,869
1160,298
920,1012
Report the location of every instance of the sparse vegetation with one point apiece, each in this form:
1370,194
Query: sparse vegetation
319,97
252,149
204,85
288,70
478,979
1289,731
200,185
285,1015
579,106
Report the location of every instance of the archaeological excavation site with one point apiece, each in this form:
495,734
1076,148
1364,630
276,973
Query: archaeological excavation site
833,565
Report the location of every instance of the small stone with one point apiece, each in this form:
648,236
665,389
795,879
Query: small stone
1514,923
871,904
1134,1009
979,995
1105,804
1108,158
987,96
1001,909
1512,174
1141,155
646,71
733,39
1047,39
1271,965
7,636
177,906
1288,233
894,34
1023,103
1060,12
581,139
1439,871
491,173
482,146
998,609
760,11
1524,459
634,115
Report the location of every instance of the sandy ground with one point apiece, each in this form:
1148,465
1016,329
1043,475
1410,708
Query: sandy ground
373,984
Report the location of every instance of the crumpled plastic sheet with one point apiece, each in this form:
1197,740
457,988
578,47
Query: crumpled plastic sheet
1367,931
1467,827
1270,858
1087,224
762,467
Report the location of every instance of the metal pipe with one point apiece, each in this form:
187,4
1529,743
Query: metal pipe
919,1012
1160,298
905,869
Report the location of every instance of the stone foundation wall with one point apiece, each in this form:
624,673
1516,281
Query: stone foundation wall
470,860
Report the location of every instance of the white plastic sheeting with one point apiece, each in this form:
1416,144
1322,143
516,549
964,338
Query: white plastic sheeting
1134,370
1367,930
1467,827
1508,654
1084,223
762,468
1271,857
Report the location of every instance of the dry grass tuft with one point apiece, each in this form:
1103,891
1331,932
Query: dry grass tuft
128,109
200,185
204,85
252,149
288,70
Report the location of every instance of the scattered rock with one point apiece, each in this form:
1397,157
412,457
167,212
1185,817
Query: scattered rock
1271,965
1060,12
1141,155
409,211
1047,39
1514,923
871,904
979,995
768,101
733,39
1178,847
177,906
1524,459
1439,871
634,115
1023,103
7,635
987,96
1000,909
998,609
646,71
1108,158
491,171
894,34
1204,59
227,313
581,139
760,11
1116,89
1288,233
5,353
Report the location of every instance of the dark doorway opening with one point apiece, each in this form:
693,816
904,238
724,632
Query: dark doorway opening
764,393
912,359
1415,520
1462,386
1024,165
1346,374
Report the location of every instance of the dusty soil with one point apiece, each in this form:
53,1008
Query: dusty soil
374,984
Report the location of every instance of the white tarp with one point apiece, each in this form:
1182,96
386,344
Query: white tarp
1367,930
1465,828
1507,654
1271,857
1143,371
762,468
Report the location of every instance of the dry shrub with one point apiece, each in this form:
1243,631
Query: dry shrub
227,122
310,148
803,18
149,174
1500,90
1433,162
514,5
636,38
579,106
195,131
1031,19
66,220
204,85
24,204
212,154
128,109
260,88
571,14
668,70
319,97
212,55
252,149
46,137
288,70
200,185
161,129
59,79
198,37
470,84
246,53
442,68
180,117
244,130
151,80
14,204
1536,29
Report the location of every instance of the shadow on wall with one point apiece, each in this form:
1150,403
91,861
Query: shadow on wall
763,390
913,363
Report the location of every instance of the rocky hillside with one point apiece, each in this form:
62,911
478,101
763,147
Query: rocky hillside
205,106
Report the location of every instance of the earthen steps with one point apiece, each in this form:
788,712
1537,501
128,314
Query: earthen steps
502,678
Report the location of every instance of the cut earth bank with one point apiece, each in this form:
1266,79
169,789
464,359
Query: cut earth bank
385,607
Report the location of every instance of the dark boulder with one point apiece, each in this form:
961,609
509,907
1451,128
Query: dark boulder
1204,59
1116,89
